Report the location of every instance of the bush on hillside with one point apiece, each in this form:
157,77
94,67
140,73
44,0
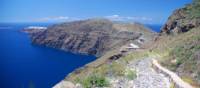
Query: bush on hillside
131,74
95,80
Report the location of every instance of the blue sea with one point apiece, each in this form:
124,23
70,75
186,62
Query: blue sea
24,65
155,27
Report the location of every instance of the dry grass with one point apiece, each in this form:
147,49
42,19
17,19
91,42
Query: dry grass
102,67
176,53
191,81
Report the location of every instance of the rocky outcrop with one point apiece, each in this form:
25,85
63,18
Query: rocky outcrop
180,21
93,36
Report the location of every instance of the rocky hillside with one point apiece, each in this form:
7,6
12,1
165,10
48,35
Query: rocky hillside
183,19
93,36
182,43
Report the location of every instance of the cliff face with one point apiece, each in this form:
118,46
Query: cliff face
182,20
94,36
184,56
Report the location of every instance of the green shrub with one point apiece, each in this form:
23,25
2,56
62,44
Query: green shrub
94,81
131,74
178,62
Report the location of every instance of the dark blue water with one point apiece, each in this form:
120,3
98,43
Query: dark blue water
155,27
23,65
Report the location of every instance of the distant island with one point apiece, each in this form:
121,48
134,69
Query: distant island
92,36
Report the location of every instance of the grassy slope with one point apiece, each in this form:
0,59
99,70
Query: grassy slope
103,68
180,53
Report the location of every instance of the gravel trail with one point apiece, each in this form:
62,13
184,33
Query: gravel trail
147,77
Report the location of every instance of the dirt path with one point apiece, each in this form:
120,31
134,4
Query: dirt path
147,77
177,80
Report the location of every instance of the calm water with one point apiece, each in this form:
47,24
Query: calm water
23,65
155,27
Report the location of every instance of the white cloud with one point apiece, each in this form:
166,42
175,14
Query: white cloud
56,19
129,18
141,19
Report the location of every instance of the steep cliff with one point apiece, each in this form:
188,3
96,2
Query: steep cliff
93,36
183,19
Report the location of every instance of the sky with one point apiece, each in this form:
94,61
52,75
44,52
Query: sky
144,11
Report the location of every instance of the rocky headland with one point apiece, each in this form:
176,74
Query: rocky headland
92,36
